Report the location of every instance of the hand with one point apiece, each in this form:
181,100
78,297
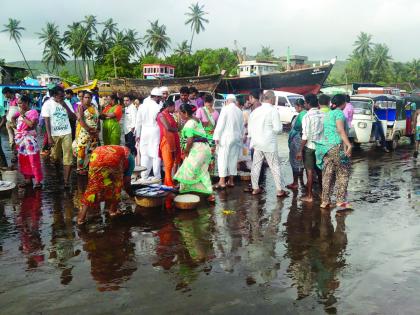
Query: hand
50,141
299,156
347,152
137,139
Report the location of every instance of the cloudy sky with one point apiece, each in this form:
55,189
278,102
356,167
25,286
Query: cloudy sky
320,29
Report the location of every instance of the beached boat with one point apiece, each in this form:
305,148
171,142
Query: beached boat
90,86
142,87
300,81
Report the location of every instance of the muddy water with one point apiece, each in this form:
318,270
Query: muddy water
262,256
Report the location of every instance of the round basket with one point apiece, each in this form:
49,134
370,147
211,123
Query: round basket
149,202
245,176
187,201
6,188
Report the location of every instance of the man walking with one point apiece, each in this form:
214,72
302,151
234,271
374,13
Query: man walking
312,128
148,133
228,138
263,128
57,115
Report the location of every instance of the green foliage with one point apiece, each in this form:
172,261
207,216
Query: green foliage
196,20
213,61
72,79
121,57
266,53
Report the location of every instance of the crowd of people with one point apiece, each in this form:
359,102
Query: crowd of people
188,136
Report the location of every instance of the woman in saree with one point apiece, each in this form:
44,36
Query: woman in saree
26,141
208,117
333,154
169,148
110,170
87,135
111,115
193,175
294,141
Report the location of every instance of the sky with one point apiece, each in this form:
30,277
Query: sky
319,29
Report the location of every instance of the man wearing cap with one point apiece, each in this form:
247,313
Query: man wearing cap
165,93
147,132
228,138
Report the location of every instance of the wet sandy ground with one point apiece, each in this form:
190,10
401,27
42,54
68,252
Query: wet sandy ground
263,256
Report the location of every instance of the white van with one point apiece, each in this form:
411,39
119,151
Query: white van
285,104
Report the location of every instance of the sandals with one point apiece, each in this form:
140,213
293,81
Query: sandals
25,184
211,198
219,187
292,186
345,205
38,186
81,222
248,189
258,191
115,214
283,194
230,185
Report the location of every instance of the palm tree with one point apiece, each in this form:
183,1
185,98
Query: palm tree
90,22
363,45
53,48
132,42
110,27
14,29
102,46
380,62
196,20
156,38
414,69
71,38
183,49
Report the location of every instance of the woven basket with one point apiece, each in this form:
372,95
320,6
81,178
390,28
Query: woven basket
182,202
245,176
148,202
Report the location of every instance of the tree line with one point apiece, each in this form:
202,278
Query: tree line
372,62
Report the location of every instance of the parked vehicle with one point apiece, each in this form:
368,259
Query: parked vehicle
379,111
285,104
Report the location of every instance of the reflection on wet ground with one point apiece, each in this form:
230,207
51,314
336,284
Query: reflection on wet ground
244,255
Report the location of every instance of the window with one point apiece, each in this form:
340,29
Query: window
281,101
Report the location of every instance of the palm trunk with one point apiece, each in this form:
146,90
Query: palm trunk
192,36
30,70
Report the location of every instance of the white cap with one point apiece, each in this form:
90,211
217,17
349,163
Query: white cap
164,89
231,97
156,92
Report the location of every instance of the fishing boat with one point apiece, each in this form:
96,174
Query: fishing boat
90,86
254,75
142,87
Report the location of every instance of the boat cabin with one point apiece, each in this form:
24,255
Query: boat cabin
379,90
153,71
256,68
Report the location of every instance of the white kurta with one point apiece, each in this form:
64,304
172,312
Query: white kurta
147,130
229,132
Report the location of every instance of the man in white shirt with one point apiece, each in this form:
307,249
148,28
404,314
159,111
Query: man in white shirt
148,133
56,114
130,114
312,129
228,138
263,128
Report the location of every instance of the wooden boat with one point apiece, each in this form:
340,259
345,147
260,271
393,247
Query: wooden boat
301,81
142,87
90,86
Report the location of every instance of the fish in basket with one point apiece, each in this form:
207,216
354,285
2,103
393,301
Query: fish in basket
150,197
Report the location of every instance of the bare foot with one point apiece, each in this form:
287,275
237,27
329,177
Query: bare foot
257,191
307,199
282,194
